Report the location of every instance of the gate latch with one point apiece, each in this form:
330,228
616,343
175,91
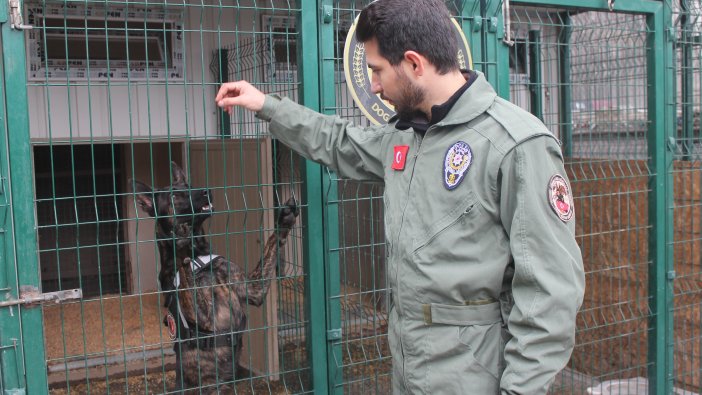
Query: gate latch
16,21
31,296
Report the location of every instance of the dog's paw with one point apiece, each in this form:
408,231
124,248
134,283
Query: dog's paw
186,262
288,214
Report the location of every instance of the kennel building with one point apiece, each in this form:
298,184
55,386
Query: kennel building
96,94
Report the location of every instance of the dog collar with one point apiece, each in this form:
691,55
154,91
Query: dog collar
201,261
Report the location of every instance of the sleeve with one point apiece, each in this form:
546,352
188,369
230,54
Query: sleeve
549,280
351,151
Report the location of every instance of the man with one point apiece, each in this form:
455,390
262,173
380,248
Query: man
485,272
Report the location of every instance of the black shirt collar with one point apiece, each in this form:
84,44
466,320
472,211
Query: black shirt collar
419,121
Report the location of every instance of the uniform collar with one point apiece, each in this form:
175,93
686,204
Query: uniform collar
470,100
439,112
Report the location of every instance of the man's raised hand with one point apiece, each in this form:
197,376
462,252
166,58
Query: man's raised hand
241,94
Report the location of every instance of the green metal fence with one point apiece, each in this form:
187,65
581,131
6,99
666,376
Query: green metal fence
102,92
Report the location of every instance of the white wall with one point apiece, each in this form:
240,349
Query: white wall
98,109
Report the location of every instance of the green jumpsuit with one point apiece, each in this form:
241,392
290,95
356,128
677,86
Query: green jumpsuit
485,274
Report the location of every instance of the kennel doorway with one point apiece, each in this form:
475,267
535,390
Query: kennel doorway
78,212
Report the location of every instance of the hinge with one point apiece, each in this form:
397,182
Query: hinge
672,34
477,23
327,14
672,144
334,334
31,296
16,21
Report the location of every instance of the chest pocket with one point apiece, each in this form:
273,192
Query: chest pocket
467,211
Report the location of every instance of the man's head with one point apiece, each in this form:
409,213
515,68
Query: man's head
396,84
422,26
411,48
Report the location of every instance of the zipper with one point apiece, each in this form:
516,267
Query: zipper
397,301
463,213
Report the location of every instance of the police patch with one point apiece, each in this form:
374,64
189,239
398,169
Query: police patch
456,163
171,324
560,198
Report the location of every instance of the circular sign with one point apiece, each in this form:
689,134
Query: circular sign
358,75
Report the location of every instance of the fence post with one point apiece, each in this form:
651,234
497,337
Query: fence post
327,78
687,81
565,108
313,217
660,142
225,127
23,359
535,77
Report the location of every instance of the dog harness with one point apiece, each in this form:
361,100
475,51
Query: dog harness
188,332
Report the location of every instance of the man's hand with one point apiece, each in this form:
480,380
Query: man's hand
239,93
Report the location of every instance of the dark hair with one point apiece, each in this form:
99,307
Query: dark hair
423,26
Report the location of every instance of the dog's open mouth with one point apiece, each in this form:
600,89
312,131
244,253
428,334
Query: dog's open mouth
207,208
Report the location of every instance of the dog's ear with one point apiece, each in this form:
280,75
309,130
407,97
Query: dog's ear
144,197
178,174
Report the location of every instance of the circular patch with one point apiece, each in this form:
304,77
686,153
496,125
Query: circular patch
171,324
358,75
560,198
456,163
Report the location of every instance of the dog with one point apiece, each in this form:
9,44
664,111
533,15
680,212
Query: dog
206,294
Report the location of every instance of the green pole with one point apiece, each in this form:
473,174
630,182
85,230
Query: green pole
660,142
225,126
686,76
330,201
9,322
535,79
313,218
565,109
21,266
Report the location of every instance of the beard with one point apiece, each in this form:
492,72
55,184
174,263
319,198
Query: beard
411,96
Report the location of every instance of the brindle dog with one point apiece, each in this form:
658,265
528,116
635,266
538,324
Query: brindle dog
211,292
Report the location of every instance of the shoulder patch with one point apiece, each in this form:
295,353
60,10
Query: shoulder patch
560,197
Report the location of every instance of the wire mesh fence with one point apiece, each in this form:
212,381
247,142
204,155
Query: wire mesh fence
118,91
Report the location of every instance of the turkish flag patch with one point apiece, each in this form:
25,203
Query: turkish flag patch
399,157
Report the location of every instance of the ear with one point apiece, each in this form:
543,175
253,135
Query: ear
178,174
144,197
416,62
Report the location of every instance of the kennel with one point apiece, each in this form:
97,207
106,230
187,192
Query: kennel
97,93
